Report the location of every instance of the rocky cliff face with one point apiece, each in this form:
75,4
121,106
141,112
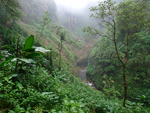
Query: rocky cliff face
72,20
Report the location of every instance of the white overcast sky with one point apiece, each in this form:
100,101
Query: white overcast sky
74,3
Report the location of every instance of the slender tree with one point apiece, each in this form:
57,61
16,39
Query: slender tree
45,21
62,35
128,16
62,38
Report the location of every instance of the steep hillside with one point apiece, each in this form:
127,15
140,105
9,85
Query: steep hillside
39,54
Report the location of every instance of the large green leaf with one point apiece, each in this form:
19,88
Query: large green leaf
27,60
23,60
29,42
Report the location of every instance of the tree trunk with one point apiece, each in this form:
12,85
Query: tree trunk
123,64
17,54
125,84
40,33
60,55
51,61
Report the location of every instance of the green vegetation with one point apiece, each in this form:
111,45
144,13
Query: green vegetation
30,88
119,48
10,11
38,60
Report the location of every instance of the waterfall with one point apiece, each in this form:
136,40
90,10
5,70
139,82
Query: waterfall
83,77
82,74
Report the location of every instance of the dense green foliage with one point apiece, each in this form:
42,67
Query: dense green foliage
31,89
10,11
37,72
124,44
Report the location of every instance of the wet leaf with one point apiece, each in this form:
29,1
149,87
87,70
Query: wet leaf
29,43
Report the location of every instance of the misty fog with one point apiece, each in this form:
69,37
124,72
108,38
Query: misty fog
76,10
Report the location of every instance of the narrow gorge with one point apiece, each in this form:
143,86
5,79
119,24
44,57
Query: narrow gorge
82,64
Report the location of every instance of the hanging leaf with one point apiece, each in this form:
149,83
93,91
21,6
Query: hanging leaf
41,49
23,60
26,60
29,43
